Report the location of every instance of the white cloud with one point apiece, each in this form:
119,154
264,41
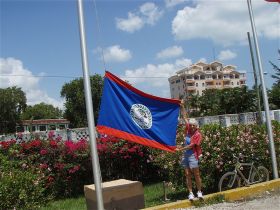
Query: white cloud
173,3
155,77
151,13
226,55
148,13
204,60
170,52
116,54
14,74
225,22
131,24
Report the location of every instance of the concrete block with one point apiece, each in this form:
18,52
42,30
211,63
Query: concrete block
119,194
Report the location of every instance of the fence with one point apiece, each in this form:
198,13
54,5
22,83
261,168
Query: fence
82,133
234,119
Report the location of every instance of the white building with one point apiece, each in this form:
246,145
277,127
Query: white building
42,125
201,76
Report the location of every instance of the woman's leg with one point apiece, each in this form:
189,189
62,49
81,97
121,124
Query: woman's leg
188,174
197,178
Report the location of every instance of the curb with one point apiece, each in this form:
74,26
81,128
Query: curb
229,195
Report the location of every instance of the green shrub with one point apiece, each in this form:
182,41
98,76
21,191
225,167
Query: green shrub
20,188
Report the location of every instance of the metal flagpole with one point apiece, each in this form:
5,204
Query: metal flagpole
265,100
90,116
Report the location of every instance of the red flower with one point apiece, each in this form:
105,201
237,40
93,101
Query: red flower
5,144
51,134
59,166
35,143
74,169
43,166
53,143
26,146
43,152
50,179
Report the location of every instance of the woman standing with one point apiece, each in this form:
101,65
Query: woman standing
192,153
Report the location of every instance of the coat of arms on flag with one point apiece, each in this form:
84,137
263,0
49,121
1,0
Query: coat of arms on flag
133,115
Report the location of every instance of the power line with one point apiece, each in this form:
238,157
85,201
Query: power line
61,76
20,75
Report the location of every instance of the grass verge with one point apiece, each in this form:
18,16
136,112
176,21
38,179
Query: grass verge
153,195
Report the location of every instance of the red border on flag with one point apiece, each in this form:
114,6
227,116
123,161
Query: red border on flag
136,139
117,80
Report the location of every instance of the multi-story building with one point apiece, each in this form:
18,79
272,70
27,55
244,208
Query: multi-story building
201,76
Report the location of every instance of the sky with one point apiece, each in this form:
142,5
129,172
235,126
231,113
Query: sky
143,42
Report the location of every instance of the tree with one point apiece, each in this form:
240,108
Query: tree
224,101
210,102
274,97
41,111
193,105
12,104
274,93
277,69
75,100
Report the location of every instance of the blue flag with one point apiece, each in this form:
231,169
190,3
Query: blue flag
133,115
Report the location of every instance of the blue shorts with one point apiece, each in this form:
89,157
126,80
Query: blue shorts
189,161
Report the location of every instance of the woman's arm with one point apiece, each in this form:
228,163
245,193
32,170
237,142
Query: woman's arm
180,148
183,111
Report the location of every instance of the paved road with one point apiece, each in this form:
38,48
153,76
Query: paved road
268,201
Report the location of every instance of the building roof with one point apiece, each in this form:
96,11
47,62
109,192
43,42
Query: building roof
45,121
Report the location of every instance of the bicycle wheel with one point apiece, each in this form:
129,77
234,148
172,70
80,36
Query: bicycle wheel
260,175
229,180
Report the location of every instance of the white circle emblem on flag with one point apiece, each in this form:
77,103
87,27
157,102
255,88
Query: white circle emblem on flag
141,115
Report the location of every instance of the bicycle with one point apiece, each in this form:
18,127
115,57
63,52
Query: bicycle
233,179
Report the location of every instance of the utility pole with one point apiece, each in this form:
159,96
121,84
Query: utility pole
264,93
259,117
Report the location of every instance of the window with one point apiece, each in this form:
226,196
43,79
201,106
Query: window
203,84
52,127
237,83
196,84
42,128
177,81
20,129
61,127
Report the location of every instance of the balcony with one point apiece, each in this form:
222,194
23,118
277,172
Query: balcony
210,87
190,81
190,88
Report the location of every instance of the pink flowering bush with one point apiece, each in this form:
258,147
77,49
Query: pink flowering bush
64,167
55,168
219,144
123,159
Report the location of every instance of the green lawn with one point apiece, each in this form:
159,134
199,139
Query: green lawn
153,194
67,204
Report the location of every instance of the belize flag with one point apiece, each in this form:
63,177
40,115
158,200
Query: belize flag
133,115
